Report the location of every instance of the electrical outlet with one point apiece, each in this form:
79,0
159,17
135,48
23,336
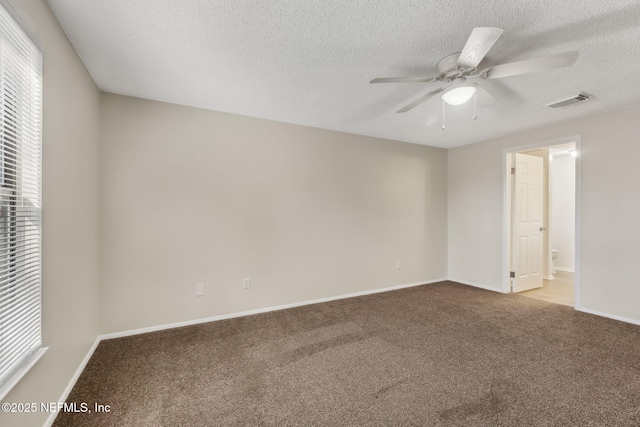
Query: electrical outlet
200,289
397,265
247,283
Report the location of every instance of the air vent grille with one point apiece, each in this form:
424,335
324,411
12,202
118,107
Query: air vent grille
570,100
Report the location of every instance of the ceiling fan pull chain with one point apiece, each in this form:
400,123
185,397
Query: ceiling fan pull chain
474,107
443,114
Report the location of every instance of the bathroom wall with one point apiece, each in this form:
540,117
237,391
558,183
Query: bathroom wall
562,226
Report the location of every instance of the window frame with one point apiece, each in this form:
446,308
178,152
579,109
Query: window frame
16,226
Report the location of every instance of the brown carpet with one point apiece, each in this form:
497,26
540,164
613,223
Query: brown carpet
441,354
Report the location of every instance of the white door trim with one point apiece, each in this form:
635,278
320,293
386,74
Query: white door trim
506,212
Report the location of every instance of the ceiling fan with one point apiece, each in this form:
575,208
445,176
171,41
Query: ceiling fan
458,67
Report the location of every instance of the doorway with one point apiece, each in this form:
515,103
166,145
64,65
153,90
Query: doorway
541,251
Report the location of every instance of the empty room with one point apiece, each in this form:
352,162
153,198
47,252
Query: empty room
390,213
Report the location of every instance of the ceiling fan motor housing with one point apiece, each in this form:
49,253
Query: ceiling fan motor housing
448,69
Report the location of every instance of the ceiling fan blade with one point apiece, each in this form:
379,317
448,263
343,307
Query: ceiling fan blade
404,80
559,60
421,100
478,44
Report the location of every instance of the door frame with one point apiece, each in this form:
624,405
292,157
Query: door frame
506,211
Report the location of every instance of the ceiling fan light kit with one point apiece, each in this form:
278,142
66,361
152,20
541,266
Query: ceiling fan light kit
460,67
459,95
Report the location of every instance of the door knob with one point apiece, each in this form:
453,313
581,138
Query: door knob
543,228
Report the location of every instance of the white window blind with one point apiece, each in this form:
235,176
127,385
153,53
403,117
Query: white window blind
20,194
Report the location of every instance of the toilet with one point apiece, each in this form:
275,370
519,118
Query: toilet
554,255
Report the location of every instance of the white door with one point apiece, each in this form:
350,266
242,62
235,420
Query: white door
526,256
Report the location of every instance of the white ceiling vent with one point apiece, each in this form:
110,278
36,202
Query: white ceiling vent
569,100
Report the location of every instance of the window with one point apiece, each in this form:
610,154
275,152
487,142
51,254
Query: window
20,197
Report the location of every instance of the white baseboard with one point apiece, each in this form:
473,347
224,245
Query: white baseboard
477,285
258,311
73,381
610,316
568,270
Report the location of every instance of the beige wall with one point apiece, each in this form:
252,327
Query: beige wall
195,196
609,208
563,224
69,213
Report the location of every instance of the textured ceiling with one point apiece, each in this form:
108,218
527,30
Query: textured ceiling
310,62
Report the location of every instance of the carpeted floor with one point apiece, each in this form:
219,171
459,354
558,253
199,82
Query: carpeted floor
443,354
